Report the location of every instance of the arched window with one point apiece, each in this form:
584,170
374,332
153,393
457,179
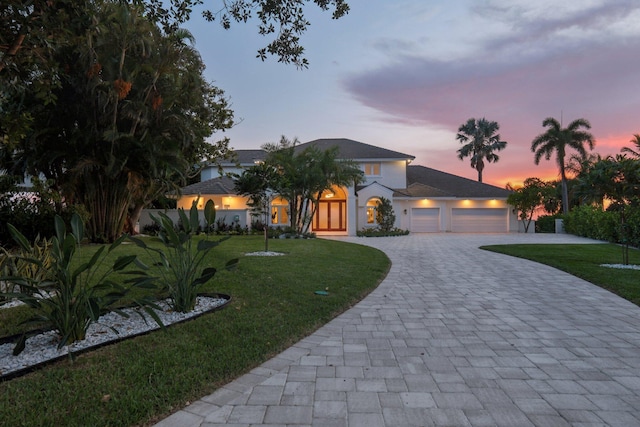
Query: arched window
371,210
279,212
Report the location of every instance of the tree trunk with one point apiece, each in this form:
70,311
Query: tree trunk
133,218
107,199
565,191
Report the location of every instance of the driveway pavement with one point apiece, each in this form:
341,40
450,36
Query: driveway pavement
454,336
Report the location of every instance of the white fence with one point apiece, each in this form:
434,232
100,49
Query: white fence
241,217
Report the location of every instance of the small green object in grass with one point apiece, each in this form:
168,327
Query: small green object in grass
322,293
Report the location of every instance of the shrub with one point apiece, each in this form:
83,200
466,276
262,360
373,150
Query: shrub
181,261
33,212
20,264
69,300
376,232
546,223
385,217
593,222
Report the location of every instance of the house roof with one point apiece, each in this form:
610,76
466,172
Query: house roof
426,182
355,150
250,156
220,185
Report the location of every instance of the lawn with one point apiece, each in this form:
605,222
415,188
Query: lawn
142,380
584,261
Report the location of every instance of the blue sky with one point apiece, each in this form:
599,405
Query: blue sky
404,74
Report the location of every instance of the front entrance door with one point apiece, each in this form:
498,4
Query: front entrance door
331,216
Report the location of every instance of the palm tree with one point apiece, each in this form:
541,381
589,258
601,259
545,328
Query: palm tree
558,139
635,141
481,140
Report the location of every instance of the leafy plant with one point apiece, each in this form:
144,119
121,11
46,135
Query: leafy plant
385,217
12,265
70,300
181,271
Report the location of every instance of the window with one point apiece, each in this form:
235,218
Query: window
372,169
371,210
279,214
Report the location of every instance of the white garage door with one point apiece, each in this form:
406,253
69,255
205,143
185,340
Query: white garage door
479,220
425,220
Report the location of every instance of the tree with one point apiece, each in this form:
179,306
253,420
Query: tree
385,217
107,97
635,153
558,139
303,175
481,140
258,183
529,198
618,180
132,114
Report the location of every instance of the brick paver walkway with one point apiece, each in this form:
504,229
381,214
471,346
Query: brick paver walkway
454,336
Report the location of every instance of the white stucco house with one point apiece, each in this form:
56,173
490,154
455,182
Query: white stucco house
424,199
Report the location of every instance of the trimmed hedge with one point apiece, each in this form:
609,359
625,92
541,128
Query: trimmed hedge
546,224
592,222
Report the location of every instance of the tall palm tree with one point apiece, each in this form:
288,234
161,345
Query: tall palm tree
481,140
635,141
558,139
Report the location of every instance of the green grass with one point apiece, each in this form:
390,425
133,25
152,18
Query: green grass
584,261
146,378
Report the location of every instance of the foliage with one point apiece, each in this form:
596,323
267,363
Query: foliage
558,139
69,298
616,179
546,223
530,197
150,376
283,18
303,175
258,184
32,211
107,98
592,222
633,152
377,232
181,261
35,31
385,217
584,261
19,264
131,116
481,140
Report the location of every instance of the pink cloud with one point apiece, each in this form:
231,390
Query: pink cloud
596,82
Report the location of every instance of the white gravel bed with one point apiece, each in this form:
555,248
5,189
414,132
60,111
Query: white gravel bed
264,253
44,347
622,266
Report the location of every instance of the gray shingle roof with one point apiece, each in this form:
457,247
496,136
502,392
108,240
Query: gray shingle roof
426,182
220,185
354,150
246,157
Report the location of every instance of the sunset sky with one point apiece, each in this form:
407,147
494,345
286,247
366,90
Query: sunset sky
405,74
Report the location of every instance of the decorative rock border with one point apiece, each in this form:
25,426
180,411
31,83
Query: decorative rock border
42,349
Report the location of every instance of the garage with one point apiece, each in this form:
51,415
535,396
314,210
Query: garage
425,220
479,220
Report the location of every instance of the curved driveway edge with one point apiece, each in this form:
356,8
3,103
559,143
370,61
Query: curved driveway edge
454,336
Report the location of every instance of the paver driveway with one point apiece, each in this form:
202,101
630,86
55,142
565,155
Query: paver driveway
454,336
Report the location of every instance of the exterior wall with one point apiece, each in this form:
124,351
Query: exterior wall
228,216
364,195
403,208
393,174
211,172
221,202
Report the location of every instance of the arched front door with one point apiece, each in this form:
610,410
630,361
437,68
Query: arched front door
331,214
